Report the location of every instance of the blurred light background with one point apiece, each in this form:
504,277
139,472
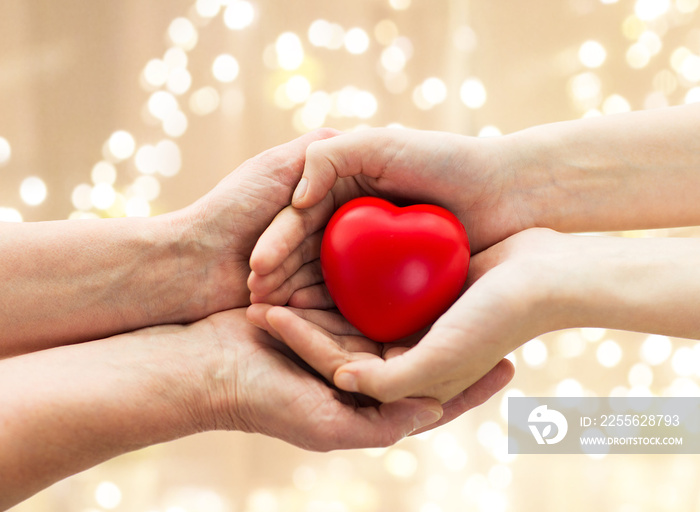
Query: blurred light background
139,107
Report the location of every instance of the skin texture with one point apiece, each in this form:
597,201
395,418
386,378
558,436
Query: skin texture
164,302
629,171
72,407
68,281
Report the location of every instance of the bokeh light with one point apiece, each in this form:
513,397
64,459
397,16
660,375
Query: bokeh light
609,353
179,81
204,101
121,144
225,68
615,104
108,495
465,39
5,151
692,96
167,157
208,8
356,41
81,197
400,5
320,33
155,73
400,463
290,52
146,159
239,14
161,104
175,124
393,58
656,349
33,191
231,77
386,32
183,33
648,10
297,89
687,6
569,387
535,353
592,54
10,215
473,93
640,375
104,172
103,196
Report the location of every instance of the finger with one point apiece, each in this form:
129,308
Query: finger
326,162
280,166
476,394
256,315
392,352
443,363
331,321
411,373
309,250
286,233
312,297
314,345
308,275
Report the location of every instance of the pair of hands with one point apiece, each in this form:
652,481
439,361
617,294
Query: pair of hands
275,391
508,283
201,365
624,172
471,339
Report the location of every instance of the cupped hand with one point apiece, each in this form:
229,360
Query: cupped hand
509,300
257,384
462,174
224,225
327,342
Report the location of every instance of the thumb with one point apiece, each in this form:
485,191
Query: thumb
448,359
322,167
412,373
349,154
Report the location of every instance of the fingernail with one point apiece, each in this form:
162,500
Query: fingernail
346,381
300,190
426,418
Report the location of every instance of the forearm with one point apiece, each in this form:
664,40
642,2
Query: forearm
70,281
645,285
66,409
630,171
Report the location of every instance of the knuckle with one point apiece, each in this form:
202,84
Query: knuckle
325,132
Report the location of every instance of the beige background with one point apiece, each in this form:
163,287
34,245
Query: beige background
71,74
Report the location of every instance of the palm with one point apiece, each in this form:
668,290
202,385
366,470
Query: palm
326,341
271,391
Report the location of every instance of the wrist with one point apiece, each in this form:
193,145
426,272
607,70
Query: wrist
645,285
610,173
190,268
539,177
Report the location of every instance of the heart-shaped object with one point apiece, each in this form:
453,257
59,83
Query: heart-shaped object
393,271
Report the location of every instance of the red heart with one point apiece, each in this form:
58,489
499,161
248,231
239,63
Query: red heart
393,271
